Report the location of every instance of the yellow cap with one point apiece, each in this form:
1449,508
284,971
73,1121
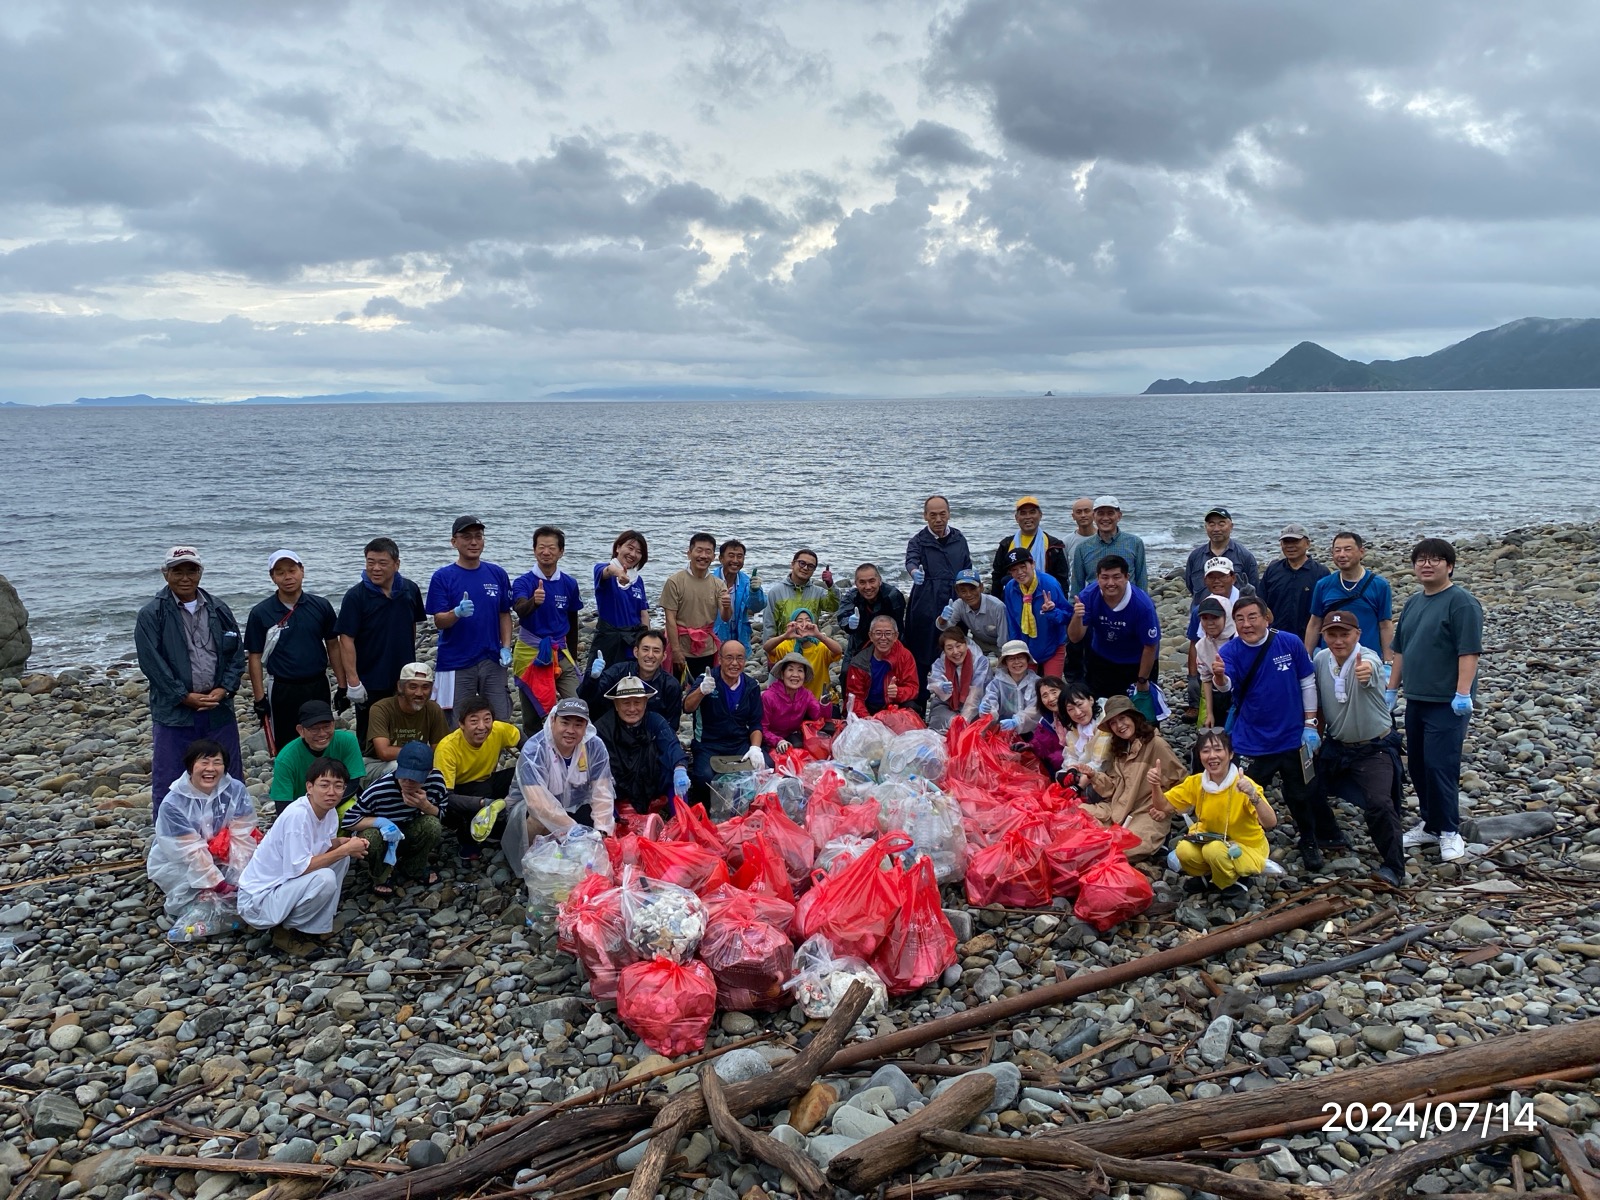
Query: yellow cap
1033,500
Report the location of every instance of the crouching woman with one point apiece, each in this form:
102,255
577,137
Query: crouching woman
1227,842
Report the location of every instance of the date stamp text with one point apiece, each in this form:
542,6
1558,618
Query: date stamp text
1427,1118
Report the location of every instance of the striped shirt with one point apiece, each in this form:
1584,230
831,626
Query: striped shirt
383,799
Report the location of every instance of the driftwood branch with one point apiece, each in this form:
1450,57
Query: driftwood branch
748,1143
872,1160
1333,966
1574,1161
1018,1185
687,1110
235,1166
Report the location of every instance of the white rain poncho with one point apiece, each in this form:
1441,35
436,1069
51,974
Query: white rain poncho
181,863
549,789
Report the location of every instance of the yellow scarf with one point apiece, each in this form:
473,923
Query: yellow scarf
1030,627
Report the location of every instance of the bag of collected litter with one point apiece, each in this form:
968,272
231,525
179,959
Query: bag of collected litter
691,824
931,819
787,790
917,752
731,794
791,761
589,927
686,864
1069,857
793,843
772,910
556,863
817,738
751,958
833,857
207,914
668,1004
661,919
822,978
763,871
1110,892
898,720
920,944
854,907
861,744
1010,872
827,819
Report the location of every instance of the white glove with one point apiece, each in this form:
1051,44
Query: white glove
356,693
754,757
622,571
599,666
707,684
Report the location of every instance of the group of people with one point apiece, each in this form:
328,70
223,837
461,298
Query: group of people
1294,670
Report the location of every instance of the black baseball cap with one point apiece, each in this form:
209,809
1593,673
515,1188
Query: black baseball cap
314,712
1219,511
465,523
1211,607
1018,555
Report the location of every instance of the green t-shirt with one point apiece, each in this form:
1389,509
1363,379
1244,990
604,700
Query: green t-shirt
289,768
1432,633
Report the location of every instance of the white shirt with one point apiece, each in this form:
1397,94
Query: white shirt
296,837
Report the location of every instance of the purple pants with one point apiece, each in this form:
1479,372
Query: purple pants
170,742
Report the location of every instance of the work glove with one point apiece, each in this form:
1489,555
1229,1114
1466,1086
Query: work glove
708,685
853,620
357,693
466,608
1009,724
341,699
680,782
755,758
918,575
1461,704
1310,738
262,708
505,656
392,837
598,667
623,572
1391,697
949,613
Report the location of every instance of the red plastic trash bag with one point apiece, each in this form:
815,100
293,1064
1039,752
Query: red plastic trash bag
1071,856
770,909
1010,872
763,871
220,844
751,958
854,907
589,927
790,761
669,1005
687,864
920,943
1110,892
827,819
691,824
901,720
817,738
791,841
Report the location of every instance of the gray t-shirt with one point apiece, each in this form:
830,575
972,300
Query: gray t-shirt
989,626
1364,713
1432,633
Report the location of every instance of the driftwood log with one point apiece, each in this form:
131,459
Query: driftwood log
748,1143
1171,1128
872,1160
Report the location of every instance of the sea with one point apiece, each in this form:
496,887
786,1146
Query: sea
92,498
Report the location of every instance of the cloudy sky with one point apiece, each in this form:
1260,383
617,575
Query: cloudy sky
494,199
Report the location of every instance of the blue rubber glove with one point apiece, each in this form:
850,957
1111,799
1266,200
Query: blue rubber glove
949,613
466,608
1388,671
918,575
1310,737
680,782
1461,704
392,837
1009,724
599,666
1392,697
853,620
505,656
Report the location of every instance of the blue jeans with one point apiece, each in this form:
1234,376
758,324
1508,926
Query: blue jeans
1434,736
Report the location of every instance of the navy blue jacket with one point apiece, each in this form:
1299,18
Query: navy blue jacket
164,655
721,730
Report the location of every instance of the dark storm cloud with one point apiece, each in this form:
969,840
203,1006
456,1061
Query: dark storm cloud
939,144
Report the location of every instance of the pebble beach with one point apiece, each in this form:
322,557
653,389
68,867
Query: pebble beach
439,1012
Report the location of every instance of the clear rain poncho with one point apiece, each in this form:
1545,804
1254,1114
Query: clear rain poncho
184,855
550,789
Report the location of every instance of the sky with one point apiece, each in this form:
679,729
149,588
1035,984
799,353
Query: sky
499,200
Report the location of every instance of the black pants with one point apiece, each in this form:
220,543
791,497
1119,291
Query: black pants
1313,819
287,697
1364,774
1106,678
364,710
467,798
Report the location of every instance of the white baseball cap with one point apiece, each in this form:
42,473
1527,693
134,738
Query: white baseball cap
278,556
181,554
415,671
1219,566
1108,502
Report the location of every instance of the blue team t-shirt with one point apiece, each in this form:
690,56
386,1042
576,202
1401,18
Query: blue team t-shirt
1272,715
615,604
1376,604
1120,636
475,638
547,620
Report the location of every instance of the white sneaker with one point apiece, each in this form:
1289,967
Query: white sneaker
1417,836
1451,847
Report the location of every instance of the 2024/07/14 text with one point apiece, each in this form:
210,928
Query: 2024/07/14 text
1427,1118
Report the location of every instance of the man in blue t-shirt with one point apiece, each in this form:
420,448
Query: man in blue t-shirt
546,603
1124,634
470,601
1363,593
1274,714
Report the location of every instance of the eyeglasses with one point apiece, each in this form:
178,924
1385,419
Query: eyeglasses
805,564
1431,559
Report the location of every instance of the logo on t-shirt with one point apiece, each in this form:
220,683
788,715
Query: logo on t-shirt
491,590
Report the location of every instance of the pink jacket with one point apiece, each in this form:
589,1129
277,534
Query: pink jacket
782,714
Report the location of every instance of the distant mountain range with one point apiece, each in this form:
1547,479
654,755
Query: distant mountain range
1535,352
143,401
